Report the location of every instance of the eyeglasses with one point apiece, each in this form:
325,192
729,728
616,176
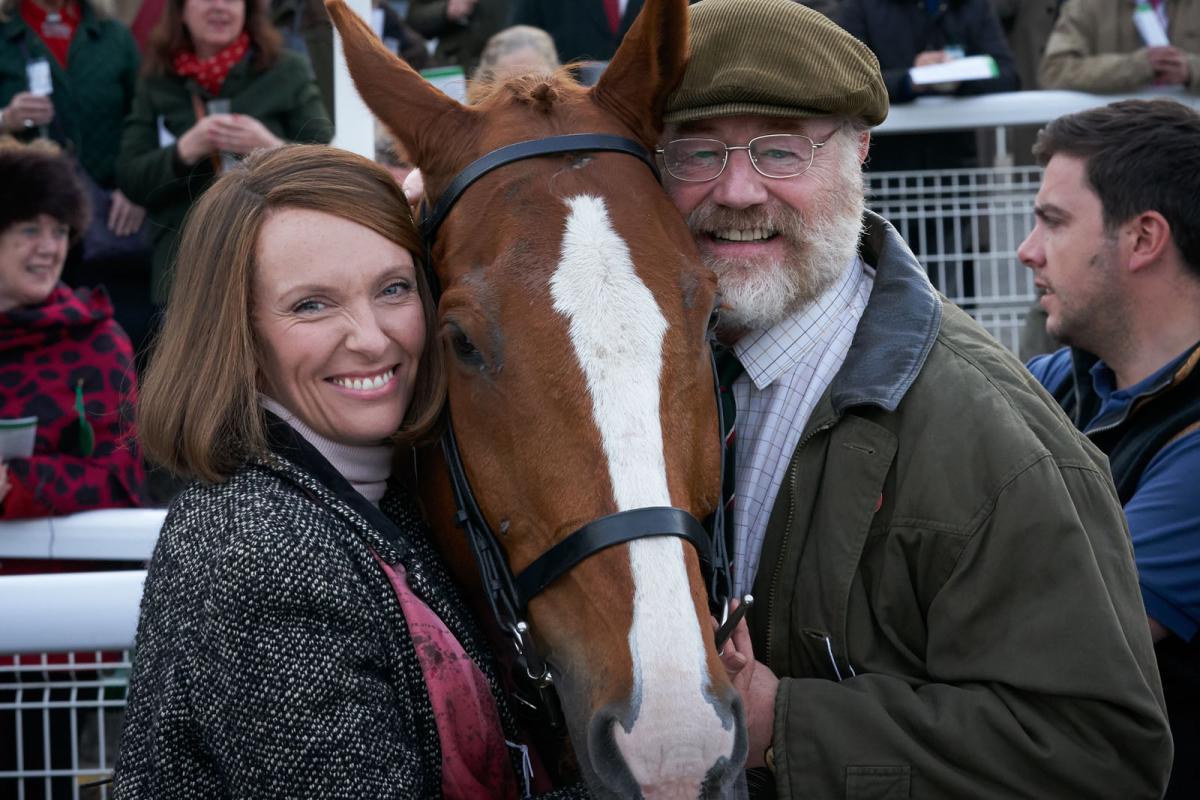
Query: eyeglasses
776,155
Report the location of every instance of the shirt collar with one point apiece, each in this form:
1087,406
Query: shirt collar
798,333
1104,381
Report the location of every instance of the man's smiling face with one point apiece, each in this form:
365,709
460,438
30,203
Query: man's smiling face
776,244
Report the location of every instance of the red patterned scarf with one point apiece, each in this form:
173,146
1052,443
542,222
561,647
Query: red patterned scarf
210,73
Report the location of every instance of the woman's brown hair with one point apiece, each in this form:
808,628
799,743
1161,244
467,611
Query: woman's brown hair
170,37
198,412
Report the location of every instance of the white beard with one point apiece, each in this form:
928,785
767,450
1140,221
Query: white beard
755,294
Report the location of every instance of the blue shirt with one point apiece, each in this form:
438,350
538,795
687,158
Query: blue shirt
1164,512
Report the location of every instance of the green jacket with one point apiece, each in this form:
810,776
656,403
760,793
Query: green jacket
947,587
91,96
283,98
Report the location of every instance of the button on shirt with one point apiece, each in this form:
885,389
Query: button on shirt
788,367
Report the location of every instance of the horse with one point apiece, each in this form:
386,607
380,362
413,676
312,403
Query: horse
575,318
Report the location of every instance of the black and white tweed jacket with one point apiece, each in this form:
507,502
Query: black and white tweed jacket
272,656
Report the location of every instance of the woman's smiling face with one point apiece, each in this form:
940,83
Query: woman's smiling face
339,324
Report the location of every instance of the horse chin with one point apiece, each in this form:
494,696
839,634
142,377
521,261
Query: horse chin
684,773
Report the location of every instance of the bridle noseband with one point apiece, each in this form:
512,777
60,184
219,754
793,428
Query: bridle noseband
508,594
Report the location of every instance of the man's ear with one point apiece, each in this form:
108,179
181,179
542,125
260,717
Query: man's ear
864,146
1149,235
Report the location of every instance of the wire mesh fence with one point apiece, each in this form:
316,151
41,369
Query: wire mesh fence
965,226
60,723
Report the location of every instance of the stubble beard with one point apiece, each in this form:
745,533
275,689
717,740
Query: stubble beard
758,293
1092,317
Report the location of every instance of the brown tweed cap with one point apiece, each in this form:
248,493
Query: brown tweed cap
777,58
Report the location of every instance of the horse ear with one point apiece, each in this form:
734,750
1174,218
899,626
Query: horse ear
647,67
424,120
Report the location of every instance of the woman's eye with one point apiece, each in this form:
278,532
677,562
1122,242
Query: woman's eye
397,289
308,307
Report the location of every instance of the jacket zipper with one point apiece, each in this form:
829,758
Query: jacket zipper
790,477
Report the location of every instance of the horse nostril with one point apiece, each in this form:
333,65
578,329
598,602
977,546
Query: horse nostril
606,758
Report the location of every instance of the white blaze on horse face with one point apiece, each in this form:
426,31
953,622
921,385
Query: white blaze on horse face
617,329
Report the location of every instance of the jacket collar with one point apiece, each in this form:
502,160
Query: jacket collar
294,451
1083,365
14,27
897,329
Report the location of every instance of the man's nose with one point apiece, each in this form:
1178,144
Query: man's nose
740,185
1030,251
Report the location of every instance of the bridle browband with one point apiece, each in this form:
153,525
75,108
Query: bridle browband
509,595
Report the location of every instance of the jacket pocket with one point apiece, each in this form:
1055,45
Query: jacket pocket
822,660
877,783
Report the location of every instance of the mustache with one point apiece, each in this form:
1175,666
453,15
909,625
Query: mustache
709,217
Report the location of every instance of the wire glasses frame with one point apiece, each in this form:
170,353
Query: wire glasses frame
774,155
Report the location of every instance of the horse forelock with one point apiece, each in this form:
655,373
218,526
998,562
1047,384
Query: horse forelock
541,91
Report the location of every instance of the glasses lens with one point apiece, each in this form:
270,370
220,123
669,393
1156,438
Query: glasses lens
782,155
694,159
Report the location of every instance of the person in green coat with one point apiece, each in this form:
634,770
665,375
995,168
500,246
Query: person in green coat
92,63
947,605
216,85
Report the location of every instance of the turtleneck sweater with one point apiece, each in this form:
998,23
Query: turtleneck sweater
365,467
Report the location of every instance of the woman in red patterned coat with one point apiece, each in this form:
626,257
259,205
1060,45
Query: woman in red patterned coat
63,359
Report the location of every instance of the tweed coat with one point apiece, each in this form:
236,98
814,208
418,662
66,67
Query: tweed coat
272,656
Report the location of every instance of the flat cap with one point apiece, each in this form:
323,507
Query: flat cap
777,58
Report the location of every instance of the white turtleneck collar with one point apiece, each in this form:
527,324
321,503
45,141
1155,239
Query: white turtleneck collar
366,468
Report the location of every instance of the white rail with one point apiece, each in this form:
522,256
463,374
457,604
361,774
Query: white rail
70,611
108,535
1006,109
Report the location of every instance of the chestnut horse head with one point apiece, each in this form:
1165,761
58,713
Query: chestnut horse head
574,313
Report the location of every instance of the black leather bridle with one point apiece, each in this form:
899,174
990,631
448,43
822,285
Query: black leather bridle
508,594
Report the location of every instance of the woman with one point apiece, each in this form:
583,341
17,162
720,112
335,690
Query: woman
63,360
91,62
216,83
276,654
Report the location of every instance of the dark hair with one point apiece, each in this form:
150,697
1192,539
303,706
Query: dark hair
1142,155
170,37
208,336
38,179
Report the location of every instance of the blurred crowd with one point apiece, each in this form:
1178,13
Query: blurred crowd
138,105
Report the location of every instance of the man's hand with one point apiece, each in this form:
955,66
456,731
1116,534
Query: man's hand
934,57
241,134
757,685
460,10
26,111
124,216
1170,66
414,190
4,484
928,57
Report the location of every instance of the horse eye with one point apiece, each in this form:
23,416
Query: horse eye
464,349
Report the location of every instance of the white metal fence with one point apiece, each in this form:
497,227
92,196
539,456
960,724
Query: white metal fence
60,723
965,226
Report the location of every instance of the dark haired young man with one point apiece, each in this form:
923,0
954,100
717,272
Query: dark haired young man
1116,254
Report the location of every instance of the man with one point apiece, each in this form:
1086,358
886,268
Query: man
588,30
1116,254
944,583
461,27
902,35
1096,47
